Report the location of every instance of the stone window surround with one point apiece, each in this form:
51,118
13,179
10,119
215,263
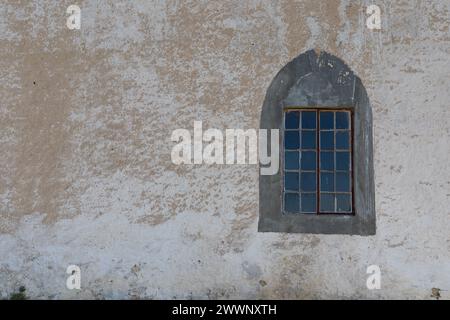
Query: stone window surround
320,80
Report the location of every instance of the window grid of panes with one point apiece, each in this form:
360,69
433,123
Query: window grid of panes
317,161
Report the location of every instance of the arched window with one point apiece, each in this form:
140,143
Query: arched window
325,183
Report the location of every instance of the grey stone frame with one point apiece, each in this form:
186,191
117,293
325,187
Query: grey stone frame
320,80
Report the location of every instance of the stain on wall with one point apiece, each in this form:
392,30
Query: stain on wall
85,173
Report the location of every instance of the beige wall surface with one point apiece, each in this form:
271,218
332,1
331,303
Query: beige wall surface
86,176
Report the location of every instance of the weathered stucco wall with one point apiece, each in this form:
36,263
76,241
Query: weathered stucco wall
85,172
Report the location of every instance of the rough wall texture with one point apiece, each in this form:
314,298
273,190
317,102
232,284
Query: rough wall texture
85,170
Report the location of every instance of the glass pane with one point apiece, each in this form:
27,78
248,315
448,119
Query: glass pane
342,140
343,161
308,181
326,120
342,181
326,181
326,202
308,160
335,146
291,140
291,181
308,202
308,120
291,160
291,202
292,120
327,161
343,203
342,120
308,139
327,140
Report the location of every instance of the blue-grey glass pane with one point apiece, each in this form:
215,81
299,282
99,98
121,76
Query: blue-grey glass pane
308,139
342,181
291,181
343,203
308,160
291,202
326,181
308,181
292,120
308,119
291,160
308,203
327,140
342,120
342,160
326,161
326,120
342,140
291,140
326,202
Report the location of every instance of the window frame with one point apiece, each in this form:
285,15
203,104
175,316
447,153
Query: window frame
319,80
317,149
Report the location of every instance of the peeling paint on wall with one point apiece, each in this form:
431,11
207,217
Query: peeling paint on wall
85,171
